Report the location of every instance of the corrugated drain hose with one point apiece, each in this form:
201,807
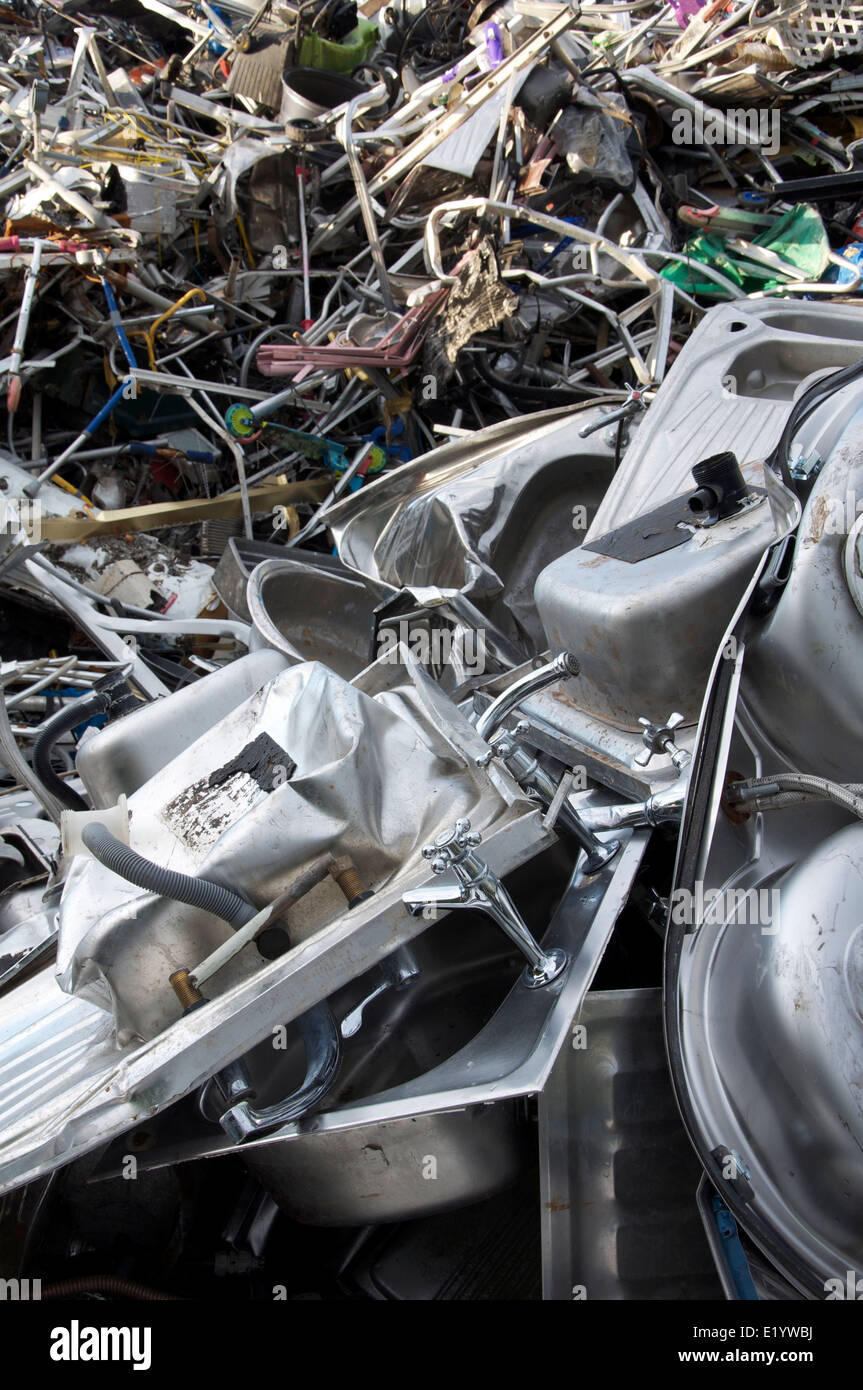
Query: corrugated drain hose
317,1026
183,888
111,1285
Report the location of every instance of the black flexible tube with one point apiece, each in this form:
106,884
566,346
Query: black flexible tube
66,719
111,1285
543,395
183,888
802,409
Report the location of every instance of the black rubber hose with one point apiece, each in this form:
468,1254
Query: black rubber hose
817,393
66,719
183,888
543,396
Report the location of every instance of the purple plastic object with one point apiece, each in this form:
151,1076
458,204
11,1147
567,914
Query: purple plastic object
685,10
493,44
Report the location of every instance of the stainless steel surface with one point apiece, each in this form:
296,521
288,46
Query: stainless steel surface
67,1088
771,1028
763,1015
482,515
232,808
311,612
618,1176
509,1056
729,388
126,754
645,633
395,1170
803,676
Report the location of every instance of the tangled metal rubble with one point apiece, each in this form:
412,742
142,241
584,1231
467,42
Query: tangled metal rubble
430,588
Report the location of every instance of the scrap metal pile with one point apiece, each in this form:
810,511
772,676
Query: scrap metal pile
426,427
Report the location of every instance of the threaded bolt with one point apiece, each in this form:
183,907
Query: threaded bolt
344,871
186,990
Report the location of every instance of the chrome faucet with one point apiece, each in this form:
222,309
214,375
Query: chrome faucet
559,668
532,777
396,972
478,887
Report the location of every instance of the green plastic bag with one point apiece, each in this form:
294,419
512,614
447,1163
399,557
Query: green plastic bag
798,237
